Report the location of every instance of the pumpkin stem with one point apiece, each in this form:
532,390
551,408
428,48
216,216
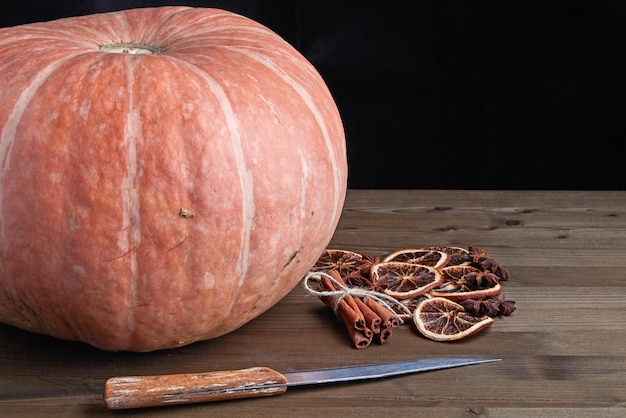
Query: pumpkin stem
131,48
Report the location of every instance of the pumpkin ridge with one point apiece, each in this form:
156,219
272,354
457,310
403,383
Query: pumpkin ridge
130,198
315,111
10,126
246,182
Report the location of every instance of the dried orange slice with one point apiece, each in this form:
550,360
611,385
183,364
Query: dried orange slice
404,280
421,256
343,261
467,282
457,255
353,267
441,319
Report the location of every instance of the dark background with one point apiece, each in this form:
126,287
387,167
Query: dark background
436,94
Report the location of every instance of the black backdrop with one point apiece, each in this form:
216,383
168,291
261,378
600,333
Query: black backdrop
436,94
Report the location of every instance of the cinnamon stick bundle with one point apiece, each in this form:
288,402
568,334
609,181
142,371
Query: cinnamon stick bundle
364,318
347,311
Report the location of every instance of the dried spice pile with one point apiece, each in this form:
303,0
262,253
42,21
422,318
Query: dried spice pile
449,292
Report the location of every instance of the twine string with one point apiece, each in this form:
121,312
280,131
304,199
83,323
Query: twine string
343,291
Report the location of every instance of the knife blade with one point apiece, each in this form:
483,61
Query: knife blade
126,392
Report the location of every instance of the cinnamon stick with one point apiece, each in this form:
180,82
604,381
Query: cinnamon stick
384,334
359,339
372,319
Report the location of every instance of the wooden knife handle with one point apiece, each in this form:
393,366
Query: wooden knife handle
175,389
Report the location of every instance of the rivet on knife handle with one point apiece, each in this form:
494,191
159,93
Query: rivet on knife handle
145,391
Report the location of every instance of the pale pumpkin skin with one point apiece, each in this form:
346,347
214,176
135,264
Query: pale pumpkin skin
100,151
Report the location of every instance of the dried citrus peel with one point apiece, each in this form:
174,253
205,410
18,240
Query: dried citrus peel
405,280
441,319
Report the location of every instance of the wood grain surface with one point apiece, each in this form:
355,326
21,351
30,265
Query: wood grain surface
563,350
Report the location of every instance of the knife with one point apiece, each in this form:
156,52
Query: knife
146,391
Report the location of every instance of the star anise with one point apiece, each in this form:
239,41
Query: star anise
479,280
481,259
490,306
360,276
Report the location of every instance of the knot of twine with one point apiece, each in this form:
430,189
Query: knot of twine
343,291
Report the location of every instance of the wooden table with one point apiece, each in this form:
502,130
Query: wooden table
563,350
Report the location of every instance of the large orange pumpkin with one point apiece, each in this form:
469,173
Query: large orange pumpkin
166,175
